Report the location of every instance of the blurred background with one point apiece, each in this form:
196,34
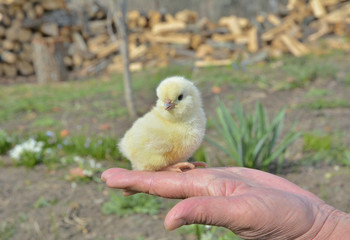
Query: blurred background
75,74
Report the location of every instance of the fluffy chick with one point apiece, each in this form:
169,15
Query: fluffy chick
165,137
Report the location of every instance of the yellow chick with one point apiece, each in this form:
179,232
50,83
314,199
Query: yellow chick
167,136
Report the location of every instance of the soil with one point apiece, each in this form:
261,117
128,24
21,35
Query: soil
75,212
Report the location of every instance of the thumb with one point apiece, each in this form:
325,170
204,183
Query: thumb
218,211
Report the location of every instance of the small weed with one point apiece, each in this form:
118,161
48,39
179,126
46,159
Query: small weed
251,140
138,203
317,142
318,92
328,148
7,230
5,142
206,232
347,79
46,122
43,202
319,104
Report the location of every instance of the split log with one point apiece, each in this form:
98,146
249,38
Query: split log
160,28
232,24
295,47
214,62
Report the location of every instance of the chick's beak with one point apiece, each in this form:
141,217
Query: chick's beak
168,104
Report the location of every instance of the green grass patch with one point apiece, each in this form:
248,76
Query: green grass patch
7,230
46,122
318,104
327,148
318,92
43,202
125,206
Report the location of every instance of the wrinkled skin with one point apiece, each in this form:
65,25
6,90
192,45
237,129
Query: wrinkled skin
251,203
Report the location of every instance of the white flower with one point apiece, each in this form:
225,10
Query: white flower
78,159
87,173
92,163
29,146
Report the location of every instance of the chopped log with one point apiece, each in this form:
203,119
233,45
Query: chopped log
273,19
207,63
338,15
39,10
25,68
232,24
270,34
97,27
253,40
80,42
223,37
48,60
173,38
77,60
295,47
24,35
136,52
8,45
142,22
136,66
323,30
8,57
9,70
53,5
94,44
109,49
186,16
2,31
154,18
50,29
317,8
195,41
204,50
160,28
170,18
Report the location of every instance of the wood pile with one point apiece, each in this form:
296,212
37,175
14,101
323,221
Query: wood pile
157,39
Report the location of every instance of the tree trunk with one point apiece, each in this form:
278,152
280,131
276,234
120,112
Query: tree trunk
48,60
119,16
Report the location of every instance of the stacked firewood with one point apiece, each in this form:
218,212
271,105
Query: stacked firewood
156,39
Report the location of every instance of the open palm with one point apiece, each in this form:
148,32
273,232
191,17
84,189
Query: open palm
251,203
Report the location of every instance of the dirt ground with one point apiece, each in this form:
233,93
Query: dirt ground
77,213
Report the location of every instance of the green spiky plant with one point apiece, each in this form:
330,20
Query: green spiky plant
251,140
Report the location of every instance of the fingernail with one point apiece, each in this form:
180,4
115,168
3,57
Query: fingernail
175,224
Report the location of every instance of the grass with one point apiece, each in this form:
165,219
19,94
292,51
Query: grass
7,230
320,147
319,104
125,206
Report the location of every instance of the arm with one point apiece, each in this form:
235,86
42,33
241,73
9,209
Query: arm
251,203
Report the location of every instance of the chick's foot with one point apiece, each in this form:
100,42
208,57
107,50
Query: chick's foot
183,166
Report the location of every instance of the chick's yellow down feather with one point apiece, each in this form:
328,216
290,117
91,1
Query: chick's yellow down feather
171,132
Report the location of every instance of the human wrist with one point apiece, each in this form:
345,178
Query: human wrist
338,226
330,224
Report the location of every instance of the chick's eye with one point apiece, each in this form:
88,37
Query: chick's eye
180,97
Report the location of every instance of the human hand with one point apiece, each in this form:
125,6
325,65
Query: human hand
251,203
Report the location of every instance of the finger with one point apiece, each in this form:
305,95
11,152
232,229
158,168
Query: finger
165,184
217,211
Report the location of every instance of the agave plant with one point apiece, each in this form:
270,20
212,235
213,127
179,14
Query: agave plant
250,140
